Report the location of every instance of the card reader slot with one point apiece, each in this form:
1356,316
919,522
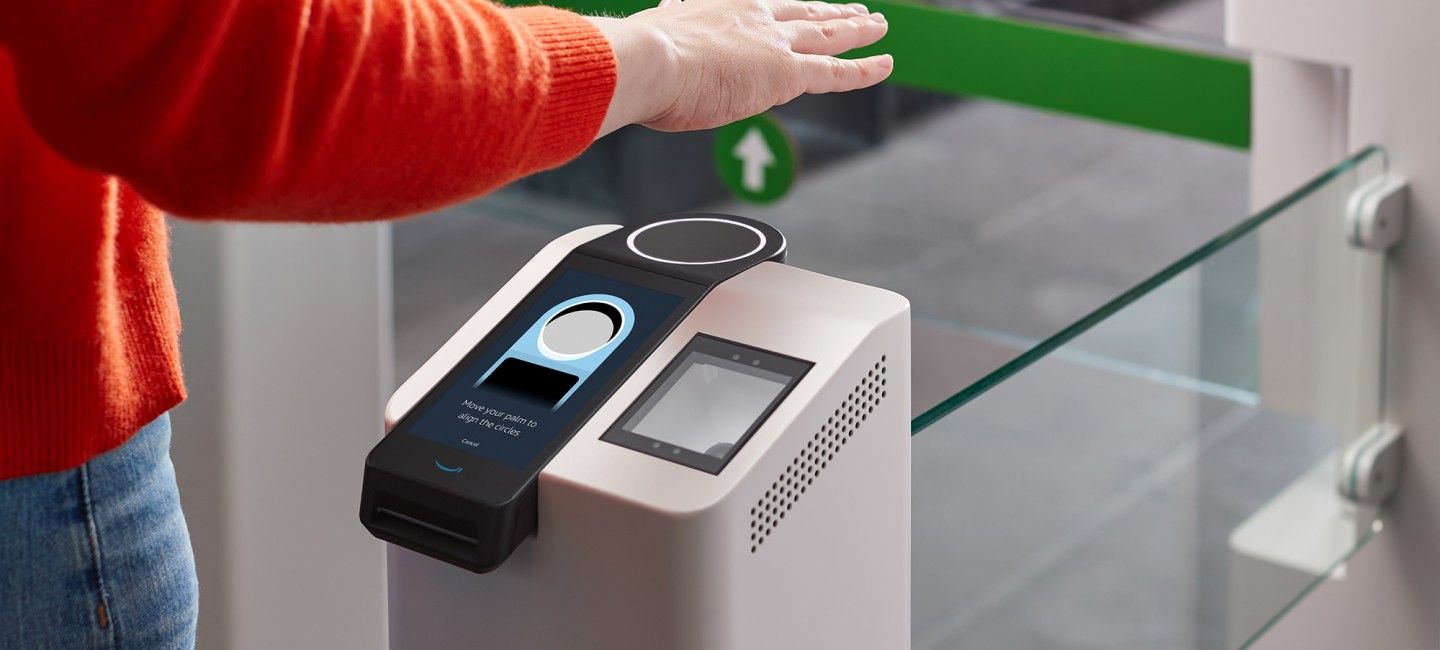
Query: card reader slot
418,524
384,513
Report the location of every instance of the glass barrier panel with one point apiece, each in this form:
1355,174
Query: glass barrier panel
1124,483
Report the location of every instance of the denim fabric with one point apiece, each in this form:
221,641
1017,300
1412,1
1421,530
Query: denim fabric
98,556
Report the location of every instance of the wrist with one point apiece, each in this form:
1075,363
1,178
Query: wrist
646,71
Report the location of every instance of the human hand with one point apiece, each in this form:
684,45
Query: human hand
700,64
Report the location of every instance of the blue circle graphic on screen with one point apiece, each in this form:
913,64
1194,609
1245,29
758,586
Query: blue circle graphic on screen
561,349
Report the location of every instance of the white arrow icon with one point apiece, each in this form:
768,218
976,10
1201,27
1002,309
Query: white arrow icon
755,156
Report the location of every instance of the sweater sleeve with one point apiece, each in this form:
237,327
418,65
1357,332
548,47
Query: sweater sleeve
315,110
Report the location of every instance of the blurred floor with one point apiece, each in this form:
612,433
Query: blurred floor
999,224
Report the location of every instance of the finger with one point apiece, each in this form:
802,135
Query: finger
818,10
827,74
668,3
831,37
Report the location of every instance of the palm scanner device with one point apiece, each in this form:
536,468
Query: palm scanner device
654,437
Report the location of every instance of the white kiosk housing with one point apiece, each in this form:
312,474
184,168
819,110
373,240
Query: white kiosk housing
801,539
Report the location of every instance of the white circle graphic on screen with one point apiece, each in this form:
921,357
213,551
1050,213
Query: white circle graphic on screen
580,330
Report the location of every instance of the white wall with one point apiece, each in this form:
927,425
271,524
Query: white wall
287,357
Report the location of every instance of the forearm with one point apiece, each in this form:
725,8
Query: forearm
360,109
646,65
328,109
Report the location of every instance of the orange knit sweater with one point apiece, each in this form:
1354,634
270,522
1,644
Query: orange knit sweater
303,110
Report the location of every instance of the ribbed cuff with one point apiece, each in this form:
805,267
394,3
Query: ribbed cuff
65,401
582,74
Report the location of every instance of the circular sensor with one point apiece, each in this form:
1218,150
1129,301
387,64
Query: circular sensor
580,329
697,240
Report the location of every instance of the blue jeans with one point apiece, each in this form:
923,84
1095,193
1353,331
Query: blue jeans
98,556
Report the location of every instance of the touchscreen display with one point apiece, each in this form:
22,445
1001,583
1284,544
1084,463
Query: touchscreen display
707,402
526,383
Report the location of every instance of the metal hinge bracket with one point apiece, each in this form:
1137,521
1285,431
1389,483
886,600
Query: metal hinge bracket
1370,466
1377,213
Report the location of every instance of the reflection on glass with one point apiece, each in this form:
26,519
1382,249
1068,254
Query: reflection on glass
1116,484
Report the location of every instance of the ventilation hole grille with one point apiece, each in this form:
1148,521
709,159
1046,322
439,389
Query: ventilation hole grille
818,453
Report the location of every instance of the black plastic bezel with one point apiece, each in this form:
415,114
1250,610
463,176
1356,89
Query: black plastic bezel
492,482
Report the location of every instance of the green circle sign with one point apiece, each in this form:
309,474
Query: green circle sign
755,159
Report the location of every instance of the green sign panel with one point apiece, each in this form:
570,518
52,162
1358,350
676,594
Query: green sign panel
755,159
1134,82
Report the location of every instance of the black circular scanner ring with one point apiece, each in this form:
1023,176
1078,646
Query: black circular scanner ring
696,240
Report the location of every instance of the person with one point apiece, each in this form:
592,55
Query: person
298,110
